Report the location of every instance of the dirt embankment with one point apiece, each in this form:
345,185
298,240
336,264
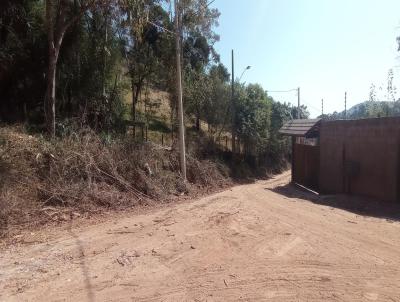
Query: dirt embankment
258,242
83,174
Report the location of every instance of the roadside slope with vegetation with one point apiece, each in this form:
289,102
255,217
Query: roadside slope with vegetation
71,142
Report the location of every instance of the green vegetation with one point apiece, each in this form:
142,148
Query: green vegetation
88,109
66,64
367,109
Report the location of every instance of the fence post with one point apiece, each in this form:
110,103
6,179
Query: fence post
398,171
293,159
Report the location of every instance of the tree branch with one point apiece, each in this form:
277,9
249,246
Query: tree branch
63,26
50,22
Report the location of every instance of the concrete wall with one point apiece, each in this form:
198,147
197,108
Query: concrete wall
361,157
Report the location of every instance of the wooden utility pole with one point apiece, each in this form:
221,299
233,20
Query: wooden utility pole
322,107
345,105
233,106
182,150
298,103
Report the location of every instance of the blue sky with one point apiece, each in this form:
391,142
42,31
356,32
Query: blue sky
325,47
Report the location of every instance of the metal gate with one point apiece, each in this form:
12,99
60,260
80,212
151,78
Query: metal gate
306,166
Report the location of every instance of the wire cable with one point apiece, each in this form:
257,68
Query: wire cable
281,91
311,106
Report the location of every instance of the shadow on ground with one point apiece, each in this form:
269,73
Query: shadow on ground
356,204
84,266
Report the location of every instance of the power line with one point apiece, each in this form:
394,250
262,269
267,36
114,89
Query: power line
209,3
311,106
282,91
291,90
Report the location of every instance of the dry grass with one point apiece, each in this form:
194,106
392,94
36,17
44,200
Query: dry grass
81,174
154,96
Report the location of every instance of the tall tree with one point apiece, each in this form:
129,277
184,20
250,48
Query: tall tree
60,15
145,23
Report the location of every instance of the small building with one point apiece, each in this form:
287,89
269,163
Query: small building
359,157
305,151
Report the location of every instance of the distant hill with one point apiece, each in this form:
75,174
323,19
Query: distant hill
367,109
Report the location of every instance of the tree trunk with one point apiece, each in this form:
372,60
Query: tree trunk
136,89
50,98
57,25
198,122
133,104
134,100
172,122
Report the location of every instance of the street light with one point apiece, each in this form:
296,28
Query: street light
247,68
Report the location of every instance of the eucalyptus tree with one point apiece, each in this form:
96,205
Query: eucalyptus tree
197,22
60,16
145,27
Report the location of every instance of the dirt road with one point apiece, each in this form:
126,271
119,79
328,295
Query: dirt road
250,243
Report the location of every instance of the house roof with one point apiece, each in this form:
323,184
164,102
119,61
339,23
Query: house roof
306,128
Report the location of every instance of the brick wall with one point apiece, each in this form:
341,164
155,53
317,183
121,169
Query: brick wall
361,157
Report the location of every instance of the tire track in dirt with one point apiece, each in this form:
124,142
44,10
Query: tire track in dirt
248,243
